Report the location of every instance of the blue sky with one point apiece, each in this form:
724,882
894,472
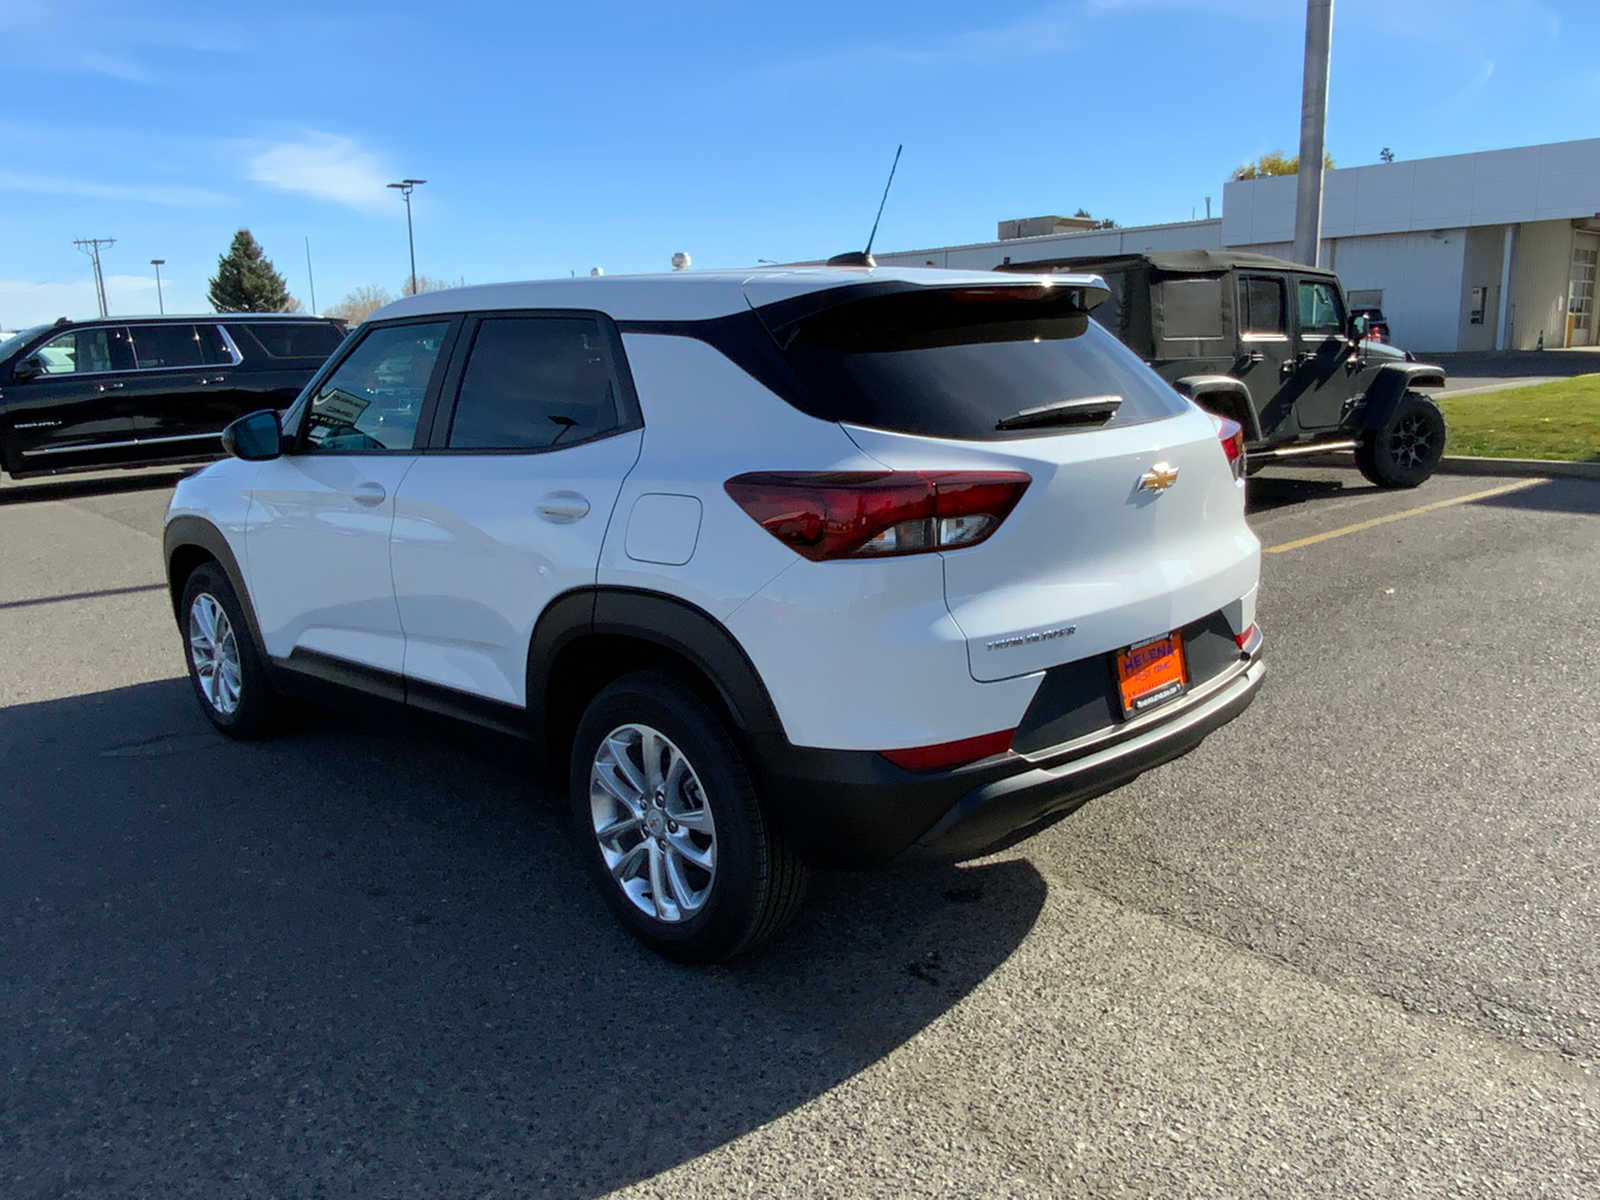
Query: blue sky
561,137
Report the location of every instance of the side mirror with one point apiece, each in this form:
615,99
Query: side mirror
254,437
1358,328
28,368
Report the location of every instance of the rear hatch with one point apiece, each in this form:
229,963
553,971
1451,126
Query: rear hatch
1015,377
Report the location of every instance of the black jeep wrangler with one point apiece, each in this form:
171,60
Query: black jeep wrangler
1268,344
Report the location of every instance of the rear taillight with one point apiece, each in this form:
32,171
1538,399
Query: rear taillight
950,754
1231,435
875,514
1250,640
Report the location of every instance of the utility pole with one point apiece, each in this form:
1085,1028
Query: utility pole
310,278
160,303
91,247
406,186
1313,126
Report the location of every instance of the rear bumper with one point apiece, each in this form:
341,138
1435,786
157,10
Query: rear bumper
848,808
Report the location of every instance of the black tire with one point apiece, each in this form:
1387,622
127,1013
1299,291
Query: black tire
1407,450
758,882
257,706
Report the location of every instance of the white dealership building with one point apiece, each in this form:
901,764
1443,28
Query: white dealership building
1494,250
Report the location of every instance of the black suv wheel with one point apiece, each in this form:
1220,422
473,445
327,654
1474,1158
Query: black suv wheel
668,819
1406,451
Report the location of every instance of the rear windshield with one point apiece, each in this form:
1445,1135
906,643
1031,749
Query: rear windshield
955,363
292,339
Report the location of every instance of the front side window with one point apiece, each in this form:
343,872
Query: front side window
535,383
85,351
1321,313
1261,305
373,398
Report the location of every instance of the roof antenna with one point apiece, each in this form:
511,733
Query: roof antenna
863,258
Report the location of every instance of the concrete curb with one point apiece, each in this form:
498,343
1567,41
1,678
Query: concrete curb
1460,464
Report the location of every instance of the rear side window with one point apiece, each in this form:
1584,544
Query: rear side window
954,363
1320,311
157,346
1191,308
292,339
535,383
1261,305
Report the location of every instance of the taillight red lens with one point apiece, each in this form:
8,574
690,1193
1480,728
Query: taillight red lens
1231,435
950,754
875,514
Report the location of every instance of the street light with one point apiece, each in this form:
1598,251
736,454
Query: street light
405,187
160,303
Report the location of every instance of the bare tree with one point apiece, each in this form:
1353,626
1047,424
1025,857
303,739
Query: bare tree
426,283
291,305
360,304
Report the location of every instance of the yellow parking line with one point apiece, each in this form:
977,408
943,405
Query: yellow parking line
1400,516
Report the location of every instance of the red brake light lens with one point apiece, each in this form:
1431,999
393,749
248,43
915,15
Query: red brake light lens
950,754
876,514
1231,435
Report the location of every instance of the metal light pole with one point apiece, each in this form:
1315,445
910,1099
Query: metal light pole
405,187
1313,125
160,303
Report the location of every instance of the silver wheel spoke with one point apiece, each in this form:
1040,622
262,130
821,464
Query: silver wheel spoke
650,754
619,758
682,893
706,859
657,883
609,833
697,819
626,867
604,774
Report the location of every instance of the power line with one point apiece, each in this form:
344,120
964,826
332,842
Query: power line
91,247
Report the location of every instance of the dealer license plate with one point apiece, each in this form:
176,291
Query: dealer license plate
1151,672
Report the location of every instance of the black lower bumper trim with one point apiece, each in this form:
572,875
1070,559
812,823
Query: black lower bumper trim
855,808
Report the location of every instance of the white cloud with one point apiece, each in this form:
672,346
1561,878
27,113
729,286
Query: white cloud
325,165
170,195
25,302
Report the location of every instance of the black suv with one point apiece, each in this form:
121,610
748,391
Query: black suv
135,391
1272,345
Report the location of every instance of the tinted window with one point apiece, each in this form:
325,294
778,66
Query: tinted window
169,346
85,350
534,382
1261,305
1320,310
17,340
372,400
293,339
953,363
213,347
1192,308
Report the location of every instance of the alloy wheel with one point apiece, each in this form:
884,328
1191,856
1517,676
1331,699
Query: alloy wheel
653,823
1412,442
214,650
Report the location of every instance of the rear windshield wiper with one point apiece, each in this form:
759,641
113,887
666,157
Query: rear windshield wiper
1091,410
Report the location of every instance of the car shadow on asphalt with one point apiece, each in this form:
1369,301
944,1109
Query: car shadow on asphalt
1581,496
363,957
70,488
1263,493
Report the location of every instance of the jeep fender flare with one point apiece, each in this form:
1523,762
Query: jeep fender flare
1225,396
1388,388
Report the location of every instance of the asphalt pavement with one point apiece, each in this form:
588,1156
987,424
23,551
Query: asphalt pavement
1348,947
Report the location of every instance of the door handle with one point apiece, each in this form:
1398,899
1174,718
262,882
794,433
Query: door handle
1254,357
106,387
370,494
210,379
563,508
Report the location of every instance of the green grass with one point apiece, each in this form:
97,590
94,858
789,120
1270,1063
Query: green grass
1559,420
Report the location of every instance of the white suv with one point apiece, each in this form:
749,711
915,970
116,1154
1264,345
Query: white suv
774,569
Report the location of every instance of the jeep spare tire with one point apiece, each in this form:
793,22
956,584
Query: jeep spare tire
1408,449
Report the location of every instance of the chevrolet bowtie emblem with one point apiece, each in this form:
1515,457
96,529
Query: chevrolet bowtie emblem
1158,478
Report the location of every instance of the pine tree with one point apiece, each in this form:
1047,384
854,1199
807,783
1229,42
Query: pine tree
246,281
